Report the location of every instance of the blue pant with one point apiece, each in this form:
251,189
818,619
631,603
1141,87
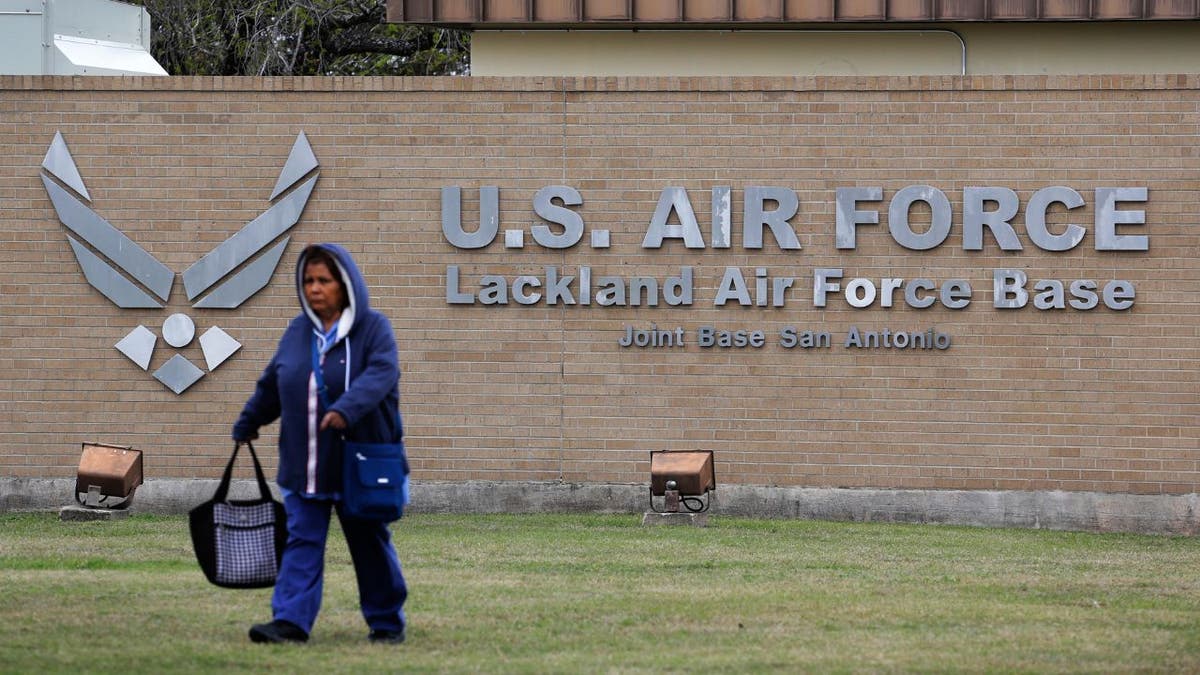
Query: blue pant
381,587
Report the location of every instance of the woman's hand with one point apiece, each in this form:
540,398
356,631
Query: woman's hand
332,420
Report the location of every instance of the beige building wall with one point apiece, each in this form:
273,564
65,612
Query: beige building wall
1097,400
976,49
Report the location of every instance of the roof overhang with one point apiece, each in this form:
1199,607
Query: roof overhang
776,14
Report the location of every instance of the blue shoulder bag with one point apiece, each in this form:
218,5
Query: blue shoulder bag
374,475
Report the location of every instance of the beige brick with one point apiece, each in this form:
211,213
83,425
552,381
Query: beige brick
1025,399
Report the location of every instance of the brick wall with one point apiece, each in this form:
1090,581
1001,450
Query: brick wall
1026,399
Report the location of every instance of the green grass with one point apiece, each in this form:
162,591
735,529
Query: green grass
567,594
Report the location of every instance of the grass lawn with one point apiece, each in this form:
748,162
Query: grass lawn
569,593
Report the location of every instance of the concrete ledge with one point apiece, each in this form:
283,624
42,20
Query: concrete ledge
652,519
1080,511
165,496
76,512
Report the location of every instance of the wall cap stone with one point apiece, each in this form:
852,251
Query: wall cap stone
597,84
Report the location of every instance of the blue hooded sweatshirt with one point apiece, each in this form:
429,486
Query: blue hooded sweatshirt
361,371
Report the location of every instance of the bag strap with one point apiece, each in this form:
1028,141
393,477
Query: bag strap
319,375
223,489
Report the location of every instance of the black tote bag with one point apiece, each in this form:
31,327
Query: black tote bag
239,542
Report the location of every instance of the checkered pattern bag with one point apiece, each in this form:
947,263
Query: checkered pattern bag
245,543
239,542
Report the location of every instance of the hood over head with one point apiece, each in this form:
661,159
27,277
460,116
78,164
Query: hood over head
352,282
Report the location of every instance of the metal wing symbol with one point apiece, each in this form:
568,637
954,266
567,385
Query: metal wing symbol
152,274
178,373
108,240
254,237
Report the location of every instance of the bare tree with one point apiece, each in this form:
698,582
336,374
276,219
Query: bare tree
297,37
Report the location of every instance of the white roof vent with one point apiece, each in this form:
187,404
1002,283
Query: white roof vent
75,37
101,57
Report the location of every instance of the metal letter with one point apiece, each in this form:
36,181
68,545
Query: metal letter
572,222
998,221
938,230
847,217
1108,217
1035,219
1083,294
1008,289
489,217
558,288
956,294
1048,294
493,290
518,290
821,285
673,198
910,293
678,290
866,286
755,217
721,219
732,287
1119,294
453,295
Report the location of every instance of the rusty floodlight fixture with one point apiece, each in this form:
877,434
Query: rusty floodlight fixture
108,472
681,478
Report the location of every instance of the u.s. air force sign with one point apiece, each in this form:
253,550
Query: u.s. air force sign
773,213
224,278
990,210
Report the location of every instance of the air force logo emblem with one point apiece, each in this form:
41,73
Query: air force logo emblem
224,278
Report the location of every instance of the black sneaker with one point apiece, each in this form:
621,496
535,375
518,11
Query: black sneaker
277,631
389,637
